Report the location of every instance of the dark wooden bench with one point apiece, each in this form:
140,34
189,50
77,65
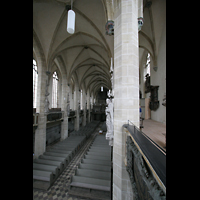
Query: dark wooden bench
62,155
96,153
61,151
54,158
105,175
96,162
51,168
97,157
43,176
59,164
91,183
94,167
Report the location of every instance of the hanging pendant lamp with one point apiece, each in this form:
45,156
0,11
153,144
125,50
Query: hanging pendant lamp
71,21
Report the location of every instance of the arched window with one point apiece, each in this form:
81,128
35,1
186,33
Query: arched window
55,90
147,66
35,83
147,74
81,100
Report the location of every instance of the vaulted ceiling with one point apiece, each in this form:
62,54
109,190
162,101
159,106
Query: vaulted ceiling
154,15
84,56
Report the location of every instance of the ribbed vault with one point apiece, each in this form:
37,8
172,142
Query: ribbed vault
84,57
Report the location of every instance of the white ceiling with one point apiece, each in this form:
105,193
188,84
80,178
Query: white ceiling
85,54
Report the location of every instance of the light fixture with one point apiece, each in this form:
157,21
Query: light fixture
71,21
101,88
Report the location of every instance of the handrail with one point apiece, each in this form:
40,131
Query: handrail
160,148
130,122
152,153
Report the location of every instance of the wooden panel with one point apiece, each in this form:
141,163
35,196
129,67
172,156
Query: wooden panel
147,109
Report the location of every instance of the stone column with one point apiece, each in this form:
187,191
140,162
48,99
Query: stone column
88,107
40,135
40,132
84,108
126,85
64,124
77,108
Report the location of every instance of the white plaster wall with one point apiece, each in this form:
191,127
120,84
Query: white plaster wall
159,78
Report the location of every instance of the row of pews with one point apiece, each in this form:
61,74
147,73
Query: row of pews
48,167
86,130
92,178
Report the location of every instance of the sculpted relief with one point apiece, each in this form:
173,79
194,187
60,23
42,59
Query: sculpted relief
109,121
110,109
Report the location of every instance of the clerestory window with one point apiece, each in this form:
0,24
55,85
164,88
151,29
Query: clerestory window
147,66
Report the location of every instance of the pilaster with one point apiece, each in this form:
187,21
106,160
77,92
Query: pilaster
40,135
40,132
64,124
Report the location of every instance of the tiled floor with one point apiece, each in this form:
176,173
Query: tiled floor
156,131
59,190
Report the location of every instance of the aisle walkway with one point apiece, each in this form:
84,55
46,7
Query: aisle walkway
156,131
59,190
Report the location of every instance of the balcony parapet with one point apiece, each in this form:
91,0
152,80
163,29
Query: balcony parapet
145,163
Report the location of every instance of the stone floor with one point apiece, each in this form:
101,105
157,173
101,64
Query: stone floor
156,131
59,190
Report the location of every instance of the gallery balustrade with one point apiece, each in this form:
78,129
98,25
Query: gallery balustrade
145,163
